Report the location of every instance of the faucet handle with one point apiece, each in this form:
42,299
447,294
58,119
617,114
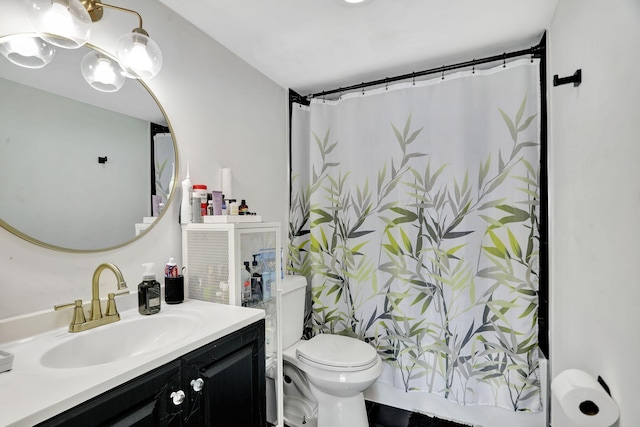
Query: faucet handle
78,312
111,310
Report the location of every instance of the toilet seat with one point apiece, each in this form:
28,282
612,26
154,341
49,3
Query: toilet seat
337,353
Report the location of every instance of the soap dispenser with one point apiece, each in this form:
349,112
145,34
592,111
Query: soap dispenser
149,291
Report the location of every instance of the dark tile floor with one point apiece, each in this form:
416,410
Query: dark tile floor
387,416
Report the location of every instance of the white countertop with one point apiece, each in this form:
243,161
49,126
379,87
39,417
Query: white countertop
31,393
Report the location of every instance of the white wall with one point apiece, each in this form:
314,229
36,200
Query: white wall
224,114
594,185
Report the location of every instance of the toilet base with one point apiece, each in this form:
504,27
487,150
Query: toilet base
299,413
335,411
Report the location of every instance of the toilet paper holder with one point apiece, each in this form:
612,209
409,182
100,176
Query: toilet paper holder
604,385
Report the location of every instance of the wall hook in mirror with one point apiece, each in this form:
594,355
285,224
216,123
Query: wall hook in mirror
102,159
576,79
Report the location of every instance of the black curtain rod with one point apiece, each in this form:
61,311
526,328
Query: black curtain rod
534,51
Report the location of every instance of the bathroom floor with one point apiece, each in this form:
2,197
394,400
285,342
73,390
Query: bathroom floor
387,416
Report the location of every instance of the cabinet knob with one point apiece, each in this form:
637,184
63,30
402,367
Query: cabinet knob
197,384
177,397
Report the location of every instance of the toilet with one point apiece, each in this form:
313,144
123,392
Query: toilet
324,377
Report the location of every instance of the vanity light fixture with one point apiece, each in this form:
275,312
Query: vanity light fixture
353,3
67,24
137,53
63,23
101,72
27,51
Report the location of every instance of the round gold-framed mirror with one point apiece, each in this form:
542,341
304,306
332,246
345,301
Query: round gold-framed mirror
81,170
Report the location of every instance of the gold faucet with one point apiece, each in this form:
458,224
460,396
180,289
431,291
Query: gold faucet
79,322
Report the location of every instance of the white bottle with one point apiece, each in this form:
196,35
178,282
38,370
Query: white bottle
186,212
233,208
269,337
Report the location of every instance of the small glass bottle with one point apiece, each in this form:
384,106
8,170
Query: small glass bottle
149,291
224,206
243,209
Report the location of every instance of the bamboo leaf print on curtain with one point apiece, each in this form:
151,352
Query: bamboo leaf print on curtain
415,217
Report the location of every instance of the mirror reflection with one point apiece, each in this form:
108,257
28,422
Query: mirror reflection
80,169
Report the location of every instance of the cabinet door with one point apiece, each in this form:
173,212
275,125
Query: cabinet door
141,402
227,381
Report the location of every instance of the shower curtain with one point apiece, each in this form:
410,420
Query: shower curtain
414,215
163,164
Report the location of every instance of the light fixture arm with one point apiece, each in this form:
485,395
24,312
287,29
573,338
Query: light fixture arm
95,10
137,54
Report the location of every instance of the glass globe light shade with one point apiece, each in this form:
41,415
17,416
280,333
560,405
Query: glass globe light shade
139,55
101,72
63,23
27,51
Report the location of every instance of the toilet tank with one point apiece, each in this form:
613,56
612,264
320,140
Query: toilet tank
294,289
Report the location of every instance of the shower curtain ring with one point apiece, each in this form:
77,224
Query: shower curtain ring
443,72
413,79
504,59
473,69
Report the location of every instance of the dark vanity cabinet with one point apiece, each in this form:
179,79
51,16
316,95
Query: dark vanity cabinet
144,401
227,381
219,384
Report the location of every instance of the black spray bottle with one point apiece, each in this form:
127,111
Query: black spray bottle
149,291
256,280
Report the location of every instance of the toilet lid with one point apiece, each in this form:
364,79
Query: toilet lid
337,352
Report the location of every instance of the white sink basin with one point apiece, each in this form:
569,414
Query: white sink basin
124,339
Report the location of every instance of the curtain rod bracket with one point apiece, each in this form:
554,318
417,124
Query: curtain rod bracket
576,79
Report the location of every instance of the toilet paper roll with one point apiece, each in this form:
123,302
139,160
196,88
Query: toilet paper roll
584,400
225,180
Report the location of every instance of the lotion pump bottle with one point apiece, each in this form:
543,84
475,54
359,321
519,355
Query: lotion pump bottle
149,291
186,212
